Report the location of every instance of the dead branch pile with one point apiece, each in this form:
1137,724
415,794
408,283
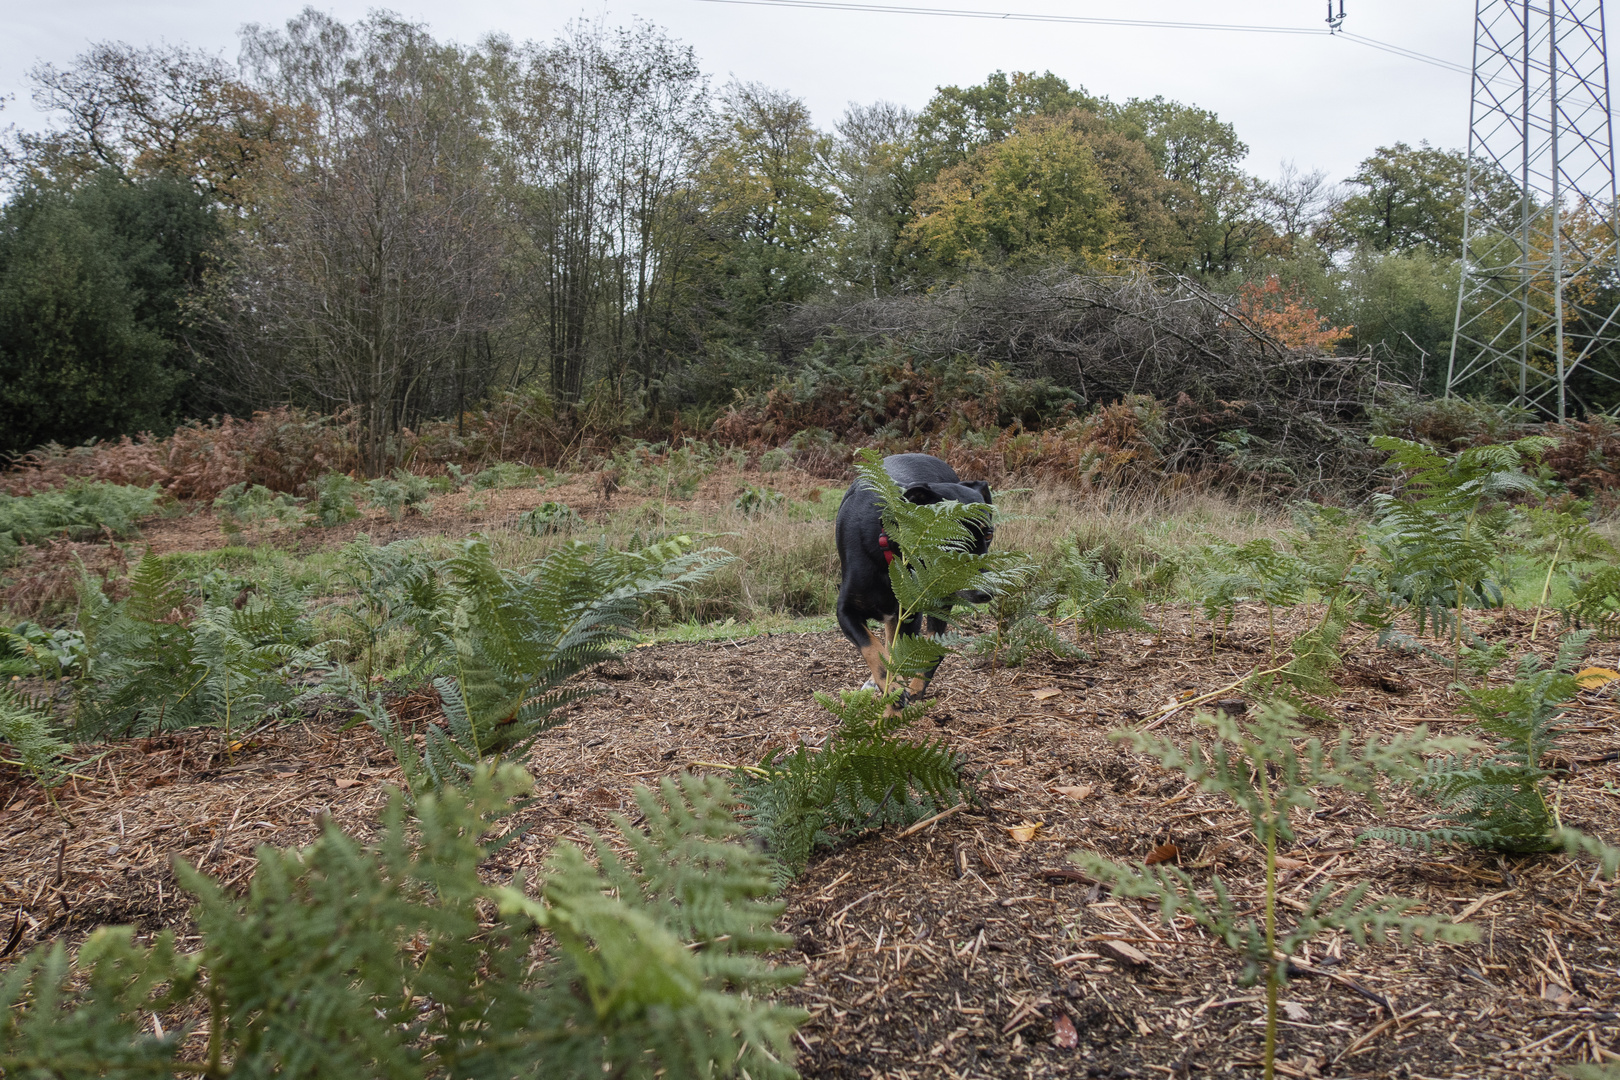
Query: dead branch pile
1113,337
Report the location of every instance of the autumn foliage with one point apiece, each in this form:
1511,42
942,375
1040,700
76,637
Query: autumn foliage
1282,314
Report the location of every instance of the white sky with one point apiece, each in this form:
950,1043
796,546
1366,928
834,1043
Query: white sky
1320,102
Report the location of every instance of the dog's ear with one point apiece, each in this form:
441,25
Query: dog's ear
980,486
922,495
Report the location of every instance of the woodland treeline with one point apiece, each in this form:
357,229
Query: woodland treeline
362,219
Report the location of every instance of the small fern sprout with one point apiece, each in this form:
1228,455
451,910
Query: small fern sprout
753,501
1270,771
29,733
1438,542
861,778
1497,798
1258,571
1094,601
502,646
1280,580
1558,533
548,518
239,667
1021,625
153,662
334,500
1595,603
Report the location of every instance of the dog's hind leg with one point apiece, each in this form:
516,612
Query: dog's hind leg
919,683
853,622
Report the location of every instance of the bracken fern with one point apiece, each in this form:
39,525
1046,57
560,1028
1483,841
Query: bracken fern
861,778
1498,799
505,644
1269,770
344,961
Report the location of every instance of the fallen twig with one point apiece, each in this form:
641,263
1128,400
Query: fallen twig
941,816
1374,1032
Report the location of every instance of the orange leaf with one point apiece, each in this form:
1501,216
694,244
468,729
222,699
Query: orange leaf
1077,793
1026,832
347,783
1593,677
1162,853
1045,692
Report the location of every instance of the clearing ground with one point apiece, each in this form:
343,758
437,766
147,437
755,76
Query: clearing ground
951,951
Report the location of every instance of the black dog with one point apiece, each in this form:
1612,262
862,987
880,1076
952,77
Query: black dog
865,552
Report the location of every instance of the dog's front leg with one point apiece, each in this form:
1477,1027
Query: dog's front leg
877,656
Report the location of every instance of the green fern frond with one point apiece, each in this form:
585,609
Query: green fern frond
1595,603
861,778
1095,601
1496,799
320,969
501,645
30,735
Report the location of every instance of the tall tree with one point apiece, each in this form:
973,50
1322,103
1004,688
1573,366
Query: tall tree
770,188
1406,199
159,110
600,132
1297,206
958,120
876,183
1202,154
1147,199
1037,195
371,276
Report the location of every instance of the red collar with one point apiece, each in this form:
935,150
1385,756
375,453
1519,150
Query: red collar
888,547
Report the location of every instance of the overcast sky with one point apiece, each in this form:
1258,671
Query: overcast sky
1321,102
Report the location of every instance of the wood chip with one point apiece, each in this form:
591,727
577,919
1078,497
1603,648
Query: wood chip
1473,908
1129,953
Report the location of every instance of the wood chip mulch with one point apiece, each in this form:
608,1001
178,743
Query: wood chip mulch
968,948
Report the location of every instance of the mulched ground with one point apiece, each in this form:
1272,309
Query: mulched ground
954,951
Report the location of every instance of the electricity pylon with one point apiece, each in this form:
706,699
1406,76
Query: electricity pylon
1538,309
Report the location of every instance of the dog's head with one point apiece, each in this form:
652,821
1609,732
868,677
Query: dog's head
982,532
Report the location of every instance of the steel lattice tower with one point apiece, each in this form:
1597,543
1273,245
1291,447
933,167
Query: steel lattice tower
1539,302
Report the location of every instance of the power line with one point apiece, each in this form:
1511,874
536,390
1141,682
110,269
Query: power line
1082,20
1013,16
1410,54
